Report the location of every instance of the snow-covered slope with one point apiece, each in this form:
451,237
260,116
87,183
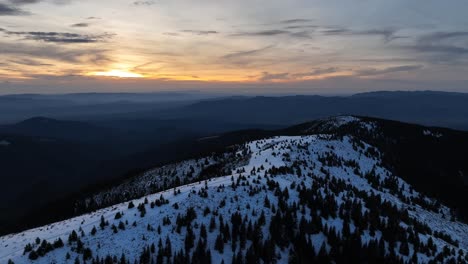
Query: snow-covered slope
282,199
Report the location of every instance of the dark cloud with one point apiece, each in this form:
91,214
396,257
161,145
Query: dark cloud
29,62
336,31
441,47
80,25
302,27
200,32
387,34
448,49
273,32
24,2
8,10
316,72
296,20
248,58
404,68
173,34
266,76
57,53
246,53
58,37
437,37
144,3
92,18
301,34
27,2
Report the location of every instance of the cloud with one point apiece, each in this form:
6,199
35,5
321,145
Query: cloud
200,32
57,53
144,3
172,34
441,47
7,10
387,34
80,25
316,72
295,20
11,7
58,37
247,53
29,62
273,32
404,68
448,49
266,76
23,2
302,27
248,57
27,2
437,37
323,71
336,31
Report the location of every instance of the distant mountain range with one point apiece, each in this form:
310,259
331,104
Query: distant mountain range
86,141
426,107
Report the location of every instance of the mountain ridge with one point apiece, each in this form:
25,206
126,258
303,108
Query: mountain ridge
332,176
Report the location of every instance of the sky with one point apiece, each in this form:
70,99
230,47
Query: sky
255,46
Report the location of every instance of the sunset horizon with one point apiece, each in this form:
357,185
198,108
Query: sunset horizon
300,46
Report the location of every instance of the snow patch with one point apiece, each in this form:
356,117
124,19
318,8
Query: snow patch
427,132
4,143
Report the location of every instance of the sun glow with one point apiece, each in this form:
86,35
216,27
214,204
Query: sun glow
119,74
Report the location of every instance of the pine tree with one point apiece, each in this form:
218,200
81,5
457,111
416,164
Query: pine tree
404,248
93,231
118,215
103,222
189,239
87,254
123,259
219,244
72,237
33,255
212,224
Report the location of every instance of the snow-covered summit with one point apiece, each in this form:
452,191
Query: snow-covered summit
282,199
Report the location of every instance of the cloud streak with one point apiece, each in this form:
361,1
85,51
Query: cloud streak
81,25
316,72
144,3
266,76
441,47
273,33
247,53
58,37
372,72
263,33
8,10
57,53
27,2
296,21
200,32
387,34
